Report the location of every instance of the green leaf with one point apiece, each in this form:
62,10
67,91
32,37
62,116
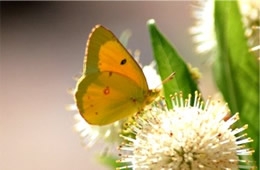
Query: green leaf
111,162
236,69
169,61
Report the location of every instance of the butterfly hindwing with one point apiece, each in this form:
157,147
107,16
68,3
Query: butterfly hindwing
105,97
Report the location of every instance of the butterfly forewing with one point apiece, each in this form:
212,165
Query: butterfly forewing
105,53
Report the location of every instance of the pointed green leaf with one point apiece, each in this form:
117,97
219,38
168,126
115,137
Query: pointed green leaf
236,69
169,61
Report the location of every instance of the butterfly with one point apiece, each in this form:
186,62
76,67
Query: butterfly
113,85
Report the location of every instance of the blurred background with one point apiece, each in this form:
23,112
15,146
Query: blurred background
42,49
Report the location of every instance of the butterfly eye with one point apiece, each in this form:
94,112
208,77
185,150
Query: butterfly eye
123,62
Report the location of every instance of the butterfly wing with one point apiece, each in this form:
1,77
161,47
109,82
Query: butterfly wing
105,53
106,97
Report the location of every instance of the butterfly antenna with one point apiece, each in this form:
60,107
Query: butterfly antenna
170,77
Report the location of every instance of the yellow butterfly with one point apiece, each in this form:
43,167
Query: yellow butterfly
113,85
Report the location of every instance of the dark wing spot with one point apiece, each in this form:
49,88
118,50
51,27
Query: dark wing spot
123,62
110,74
133,100
96,113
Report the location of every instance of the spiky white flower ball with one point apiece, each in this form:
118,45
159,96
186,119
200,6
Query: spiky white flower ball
203,30
190,136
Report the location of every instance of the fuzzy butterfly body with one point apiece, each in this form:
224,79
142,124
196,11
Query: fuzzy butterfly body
113,85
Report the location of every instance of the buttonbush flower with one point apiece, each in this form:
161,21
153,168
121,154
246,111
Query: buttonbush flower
193,135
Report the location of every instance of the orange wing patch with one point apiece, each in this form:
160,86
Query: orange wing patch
114,58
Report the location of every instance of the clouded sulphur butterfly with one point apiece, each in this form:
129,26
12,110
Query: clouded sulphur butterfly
113,85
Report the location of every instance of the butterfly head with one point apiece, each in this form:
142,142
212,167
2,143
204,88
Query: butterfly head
152,95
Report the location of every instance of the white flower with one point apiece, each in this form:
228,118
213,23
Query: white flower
203,30
191,136
204,33
92,134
